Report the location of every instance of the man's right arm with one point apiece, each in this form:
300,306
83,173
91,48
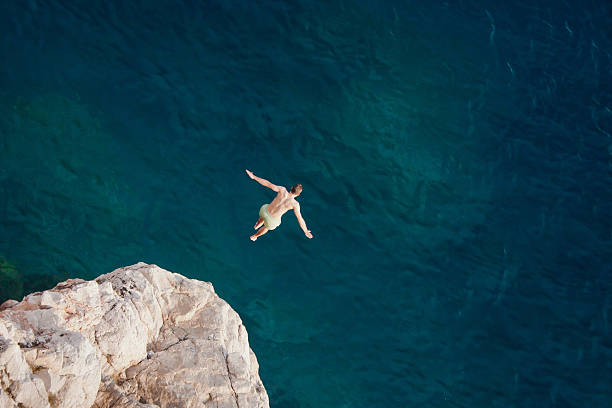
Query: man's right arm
298,215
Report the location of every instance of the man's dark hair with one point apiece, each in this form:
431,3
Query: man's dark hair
295,188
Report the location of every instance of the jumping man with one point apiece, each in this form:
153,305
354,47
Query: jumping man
270,214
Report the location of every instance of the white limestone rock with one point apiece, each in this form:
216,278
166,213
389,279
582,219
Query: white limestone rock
138,337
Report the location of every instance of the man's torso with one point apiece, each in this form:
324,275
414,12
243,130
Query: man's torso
282,203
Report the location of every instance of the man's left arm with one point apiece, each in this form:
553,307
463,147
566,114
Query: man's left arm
264,182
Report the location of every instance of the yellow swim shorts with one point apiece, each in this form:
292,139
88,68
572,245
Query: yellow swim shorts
269,221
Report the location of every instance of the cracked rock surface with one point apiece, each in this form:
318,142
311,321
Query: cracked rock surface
139,336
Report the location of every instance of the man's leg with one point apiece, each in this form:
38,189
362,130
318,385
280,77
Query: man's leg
259,223
259,233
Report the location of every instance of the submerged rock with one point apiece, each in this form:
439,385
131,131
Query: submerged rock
139,336
11,281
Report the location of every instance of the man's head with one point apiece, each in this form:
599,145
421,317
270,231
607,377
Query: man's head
297,189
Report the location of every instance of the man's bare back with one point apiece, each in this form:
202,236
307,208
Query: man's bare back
270,214
282,203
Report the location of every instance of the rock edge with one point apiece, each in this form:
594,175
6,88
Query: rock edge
139,336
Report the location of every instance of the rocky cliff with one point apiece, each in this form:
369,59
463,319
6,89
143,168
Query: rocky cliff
139,336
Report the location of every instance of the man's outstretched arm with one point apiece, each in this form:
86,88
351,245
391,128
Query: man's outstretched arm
263,182
298,214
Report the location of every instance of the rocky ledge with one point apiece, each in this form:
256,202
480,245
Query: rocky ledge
139,336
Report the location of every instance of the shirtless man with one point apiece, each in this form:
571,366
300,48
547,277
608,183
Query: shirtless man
270,214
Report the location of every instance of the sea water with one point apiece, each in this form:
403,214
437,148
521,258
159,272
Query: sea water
456,159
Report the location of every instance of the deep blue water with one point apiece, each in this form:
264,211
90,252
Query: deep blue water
456,159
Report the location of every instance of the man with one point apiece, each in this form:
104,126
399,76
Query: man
270,214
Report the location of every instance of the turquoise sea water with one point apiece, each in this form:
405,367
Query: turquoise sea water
456,159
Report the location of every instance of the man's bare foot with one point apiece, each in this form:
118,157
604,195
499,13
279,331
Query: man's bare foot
253,238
